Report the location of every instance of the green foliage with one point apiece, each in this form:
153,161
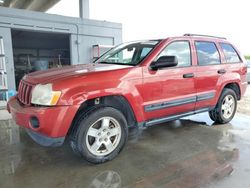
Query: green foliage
247,56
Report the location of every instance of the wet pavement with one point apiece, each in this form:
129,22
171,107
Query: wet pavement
190,152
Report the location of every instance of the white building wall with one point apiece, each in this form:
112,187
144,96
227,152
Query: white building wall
84,33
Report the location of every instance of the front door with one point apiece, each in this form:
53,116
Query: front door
170,91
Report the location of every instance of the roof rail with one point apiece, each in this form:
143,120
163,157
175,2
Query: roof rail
198,35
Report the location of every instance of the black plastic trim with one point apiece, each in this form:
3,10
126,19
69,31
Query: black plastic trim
178,102
169,104
174,117
199,35
188,75
206,96
44,140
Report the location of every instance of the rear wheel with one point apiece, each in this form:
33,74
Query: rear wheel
225,108
101,134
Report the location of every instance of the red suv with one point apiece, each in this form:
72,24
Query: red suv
140,83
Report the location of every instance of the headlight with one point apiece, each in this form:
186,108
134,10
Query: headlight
44,95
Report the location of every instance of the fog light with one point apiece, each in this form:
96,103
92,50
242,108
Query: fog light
34,122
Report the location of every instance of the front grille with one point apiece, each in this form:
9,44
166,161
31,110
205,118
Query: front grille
24,92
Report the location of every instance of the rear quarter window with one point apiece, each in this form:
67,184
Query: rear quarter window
230,53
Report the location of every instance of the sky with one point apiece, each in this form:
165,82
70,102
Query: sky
145,19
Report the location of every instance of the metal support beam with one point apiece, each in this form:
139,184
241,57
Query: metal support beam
26,4
7,3
48,5
84,9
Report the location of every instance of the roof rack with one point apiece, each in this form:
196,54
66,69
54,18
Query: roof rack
198,35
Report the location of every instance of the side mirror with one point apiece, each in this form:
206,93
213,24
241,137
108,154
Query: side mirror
164,61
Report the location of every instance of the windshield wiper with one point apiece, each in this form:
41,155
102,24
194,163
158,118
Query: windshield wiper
106,62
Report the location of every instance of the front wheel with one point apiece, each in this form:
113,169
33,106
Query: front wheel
101,134
225,108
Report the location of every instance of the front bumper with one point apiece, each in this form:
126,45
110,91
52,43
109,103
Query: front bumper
44,140
54,122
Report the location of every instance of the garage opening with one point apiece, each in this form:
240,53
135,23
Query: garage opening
34,51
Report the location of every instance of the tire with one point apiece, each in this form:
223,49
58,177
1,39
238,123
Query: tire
100,135
223,111
72,135
212,115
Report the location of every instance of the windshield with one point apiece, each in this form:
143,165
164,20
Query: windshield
128,53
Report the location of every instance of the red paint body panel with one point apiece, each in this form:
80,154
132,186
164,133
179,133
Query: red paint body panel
161,88
139,85
54,121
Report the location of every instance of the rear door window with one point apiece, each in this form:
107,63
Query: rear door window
230,53
207,53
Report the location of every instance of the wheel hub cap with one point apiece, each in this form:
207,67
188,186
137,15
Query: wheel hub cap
103,136
228,106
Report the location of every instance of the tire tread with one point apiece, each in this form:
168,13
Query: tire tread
215,114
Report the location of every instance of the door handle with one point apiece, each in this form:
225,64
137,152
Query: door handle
221,71
188,75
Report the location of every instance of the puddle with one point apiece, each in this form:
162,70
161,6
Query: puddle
186,153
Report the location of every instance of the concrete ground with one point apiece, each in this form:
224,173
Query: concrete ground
191,152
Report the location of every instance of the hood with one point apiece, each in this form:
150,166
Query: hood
53,74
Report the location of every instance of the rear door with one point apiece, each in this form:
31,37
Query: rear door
208,72
170,91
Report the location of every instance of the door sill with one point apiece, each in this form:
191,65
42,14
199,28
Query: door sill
174,117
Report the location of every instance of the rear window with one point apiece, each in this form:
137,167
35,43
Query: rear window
207,53
230,53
